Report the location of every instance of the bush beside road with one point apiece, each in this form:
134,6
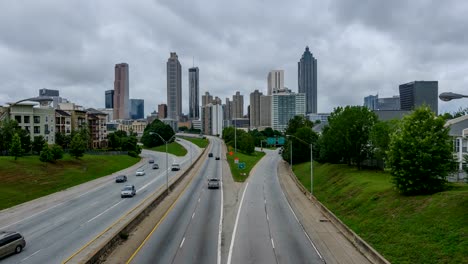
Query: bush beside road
404,229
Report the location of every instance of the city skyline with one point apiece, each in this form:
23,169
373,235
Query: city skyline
361,49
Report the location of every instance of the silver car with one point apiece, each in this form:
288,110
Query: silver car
213,183
128,191
11,242
140,172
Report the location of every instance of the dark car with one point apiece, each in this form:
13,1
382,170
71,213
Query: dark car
121,178
151,161
213,183
210,155
217,158
11,242
155,166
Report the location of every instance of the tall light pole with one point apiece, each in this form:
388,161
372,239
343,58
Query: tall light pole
311,162
167,157
235,136
450,96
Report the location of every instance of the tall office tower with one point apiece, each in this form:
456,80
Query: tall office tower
228,110
275,81
237,106
255,109
371,102
121,92
174,87
194,94
162,111
265,111
390,103
110,99
307,80
207,99
417,93
137,108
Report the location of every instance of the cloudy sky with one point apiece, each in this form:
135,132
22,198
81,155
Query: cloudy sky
362,47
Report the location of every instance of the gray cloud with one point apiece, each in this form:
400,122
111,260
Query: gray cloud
362,47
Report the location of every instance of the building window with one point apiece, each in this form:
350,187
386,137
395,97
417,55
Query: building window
46,119
37,119
37,130
46,129
26,119
18,119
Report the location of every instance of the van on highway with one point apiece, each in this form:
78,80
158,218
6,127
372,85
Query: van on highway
11,242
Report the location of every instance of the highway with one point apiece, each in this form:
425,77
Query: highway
191,231
266,228
63,227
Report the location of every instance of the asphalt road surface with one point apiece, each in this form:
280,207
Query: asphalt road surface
266,228
55,233
190,232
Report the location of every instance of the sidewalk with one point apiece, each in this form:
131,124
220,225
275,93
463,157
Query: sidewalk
333,246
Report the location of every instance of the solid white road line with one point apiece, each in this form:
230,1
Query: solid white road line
220,228
30,255
104,211
193,215
272,243
182,243
235,226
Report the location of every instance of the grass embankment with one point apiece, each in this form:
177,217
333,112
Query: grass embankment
240,175
28,178
414,229
173,148
201,142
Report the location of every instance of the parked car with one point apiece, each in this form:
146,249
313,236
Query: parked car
217,158
140,172
210,155
128,191
213,183
121,178
155,166
11,242
151,161
175,167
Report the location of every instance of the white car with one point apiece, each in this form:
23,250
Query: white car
140,172
175,167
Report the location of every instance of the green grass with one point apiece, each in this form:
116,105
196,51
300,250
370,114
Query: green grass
173,148
201,142
28,178
240,175
404,229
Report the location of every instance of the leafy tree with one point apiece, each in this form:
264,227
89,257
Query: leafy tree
420,153
301,141
246,143
57,152
183,128
46,154
379,137
229,135
25,139
465,168
157,126
15,148
77,146
38,144
62,140
296,123
7,130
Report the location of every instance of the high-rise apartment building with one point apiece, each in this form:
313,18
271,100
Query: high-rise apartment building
417,93
174,87
228,110
207,99
137,109
121,92
212,119
237,106
265,111
255,109
194,96
162,111
275,81
307,80
109,99
284,106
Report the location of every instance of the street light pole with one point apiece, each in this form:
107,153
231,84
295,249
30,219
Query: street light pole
311,172
167,157
235,136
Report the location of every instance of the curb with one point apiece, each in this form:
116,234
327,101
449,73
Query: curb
99,247
368,251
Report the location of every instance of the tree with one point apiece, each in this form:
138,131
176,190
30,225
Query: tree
38,144
7,130
62,140
246,143
77,146
420,153
57,152
46,154
379,137
296,123
301,148
157,126
15,148
25,139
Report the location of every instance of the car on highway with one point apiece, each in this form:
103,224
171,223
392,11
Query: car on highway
175,167
11,242
213,183
128,191
217,158
121,178
151,161
155,166
210,155
140,172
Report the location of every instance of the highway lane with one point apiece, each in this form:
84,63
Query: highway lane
56,233
266,229
190,232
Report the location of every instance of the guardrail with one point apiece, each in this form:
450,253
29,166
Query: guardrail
99,247
368,251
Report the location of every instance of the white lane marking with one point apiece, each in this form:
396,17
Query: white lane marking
265,201
272,243
199,199
30,255
220,231
268,219
181,244
24,219
104,211
193,215
235,226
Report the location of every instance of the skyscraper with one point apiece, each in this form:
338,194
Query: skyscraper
162,111
137,107
417,93
121,92
275,81
307,80
207,99
194,96
174,87
255,109
237,106
109,99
